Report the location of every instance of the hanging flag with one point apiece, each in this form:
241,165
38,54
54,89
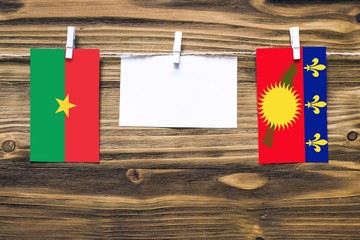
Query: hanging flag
64,106
291,97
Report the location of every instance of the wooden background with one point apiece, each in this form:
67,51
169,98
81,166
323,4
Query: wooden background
180,183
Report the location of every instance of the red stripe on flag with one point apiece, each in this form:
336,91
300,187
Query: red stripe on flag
287,144
82,124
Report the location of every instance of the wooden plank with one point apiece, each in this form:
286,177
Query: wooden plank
180,204
149,25
186,147
179,183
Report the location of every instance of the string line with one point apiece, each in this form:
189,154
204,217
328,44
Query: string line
129,54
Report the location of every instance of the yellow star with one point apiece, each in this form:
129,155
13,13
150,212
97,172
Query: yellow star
64,105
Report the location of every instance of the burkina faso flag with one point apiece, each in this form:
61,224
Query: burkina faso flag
292,105
64,106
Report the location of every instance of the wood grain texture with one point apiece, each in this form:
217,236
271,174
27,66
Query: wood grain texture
165,183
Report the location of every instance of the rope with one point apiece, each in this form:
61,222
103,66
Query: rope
127,54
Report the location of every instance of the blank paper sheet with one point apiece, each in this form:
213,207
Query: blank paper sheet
200,92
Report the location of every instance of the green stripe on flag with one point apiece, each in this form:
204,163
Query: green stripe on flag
47,130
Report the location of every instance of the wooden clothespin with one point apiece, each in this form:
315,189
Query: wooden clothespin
70,42
177,47
295,42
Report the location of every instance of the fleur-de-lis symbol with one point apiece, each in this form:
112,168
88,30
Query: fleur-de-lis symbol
317,142
316,104
315,67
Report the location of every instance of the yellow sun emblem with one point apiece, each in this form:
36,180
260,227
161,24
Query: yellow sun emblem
279,106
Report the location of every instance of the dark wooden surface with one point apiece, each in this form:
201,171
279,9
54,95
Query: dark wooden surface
180,183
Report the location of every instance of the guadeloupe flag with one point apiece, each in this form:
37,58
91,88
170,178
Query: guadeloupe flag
292,105
64,105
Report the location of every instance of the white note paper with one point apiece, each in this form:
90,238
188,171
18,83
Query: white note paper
200,92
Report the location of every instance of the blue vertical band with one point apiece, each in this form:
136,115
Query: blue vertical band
315,101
